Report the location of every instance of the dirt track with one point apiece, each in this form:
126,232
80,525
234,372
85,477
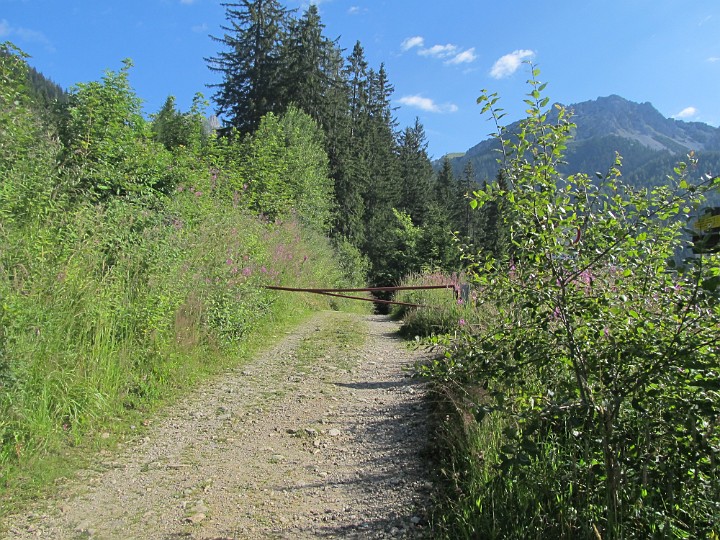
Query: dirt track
285,447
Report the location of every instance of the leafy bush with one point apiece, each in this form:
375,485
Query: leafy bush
108,145
600,366
131,271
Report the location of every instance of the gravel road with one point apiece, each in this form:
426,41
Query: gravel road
291,445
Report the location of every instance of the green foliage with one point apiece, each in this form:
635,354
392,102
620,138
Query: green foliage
601,362
445,311
415,173
177,130
116,291
252,64
27,150
283,168
108,149
308,169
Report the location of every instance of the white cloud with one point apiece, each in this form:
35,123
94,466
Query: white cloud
200,28
687,112
449,52
712,59
439,51
355,10
509,64
415,41
187,2
427,104
24,34
464,57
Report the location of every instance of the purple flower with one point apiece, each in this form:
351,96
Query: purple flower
246,271
461,322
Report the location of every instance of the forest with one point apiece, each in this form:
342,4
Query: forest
577,379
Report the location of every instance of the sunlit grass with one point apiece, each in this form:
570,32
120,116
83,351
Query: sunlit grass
119,312
457,308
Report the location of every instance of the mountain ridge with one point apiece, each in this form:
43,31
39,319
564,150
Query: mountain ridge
637,131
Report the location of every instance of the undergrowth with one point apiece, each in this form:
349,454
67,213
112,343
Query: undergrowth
586,404
131,271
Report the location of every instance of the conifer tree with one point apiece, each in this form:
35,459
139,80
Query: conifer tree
446,191
416,173
349,152
252,64
313,66
467,218
382,195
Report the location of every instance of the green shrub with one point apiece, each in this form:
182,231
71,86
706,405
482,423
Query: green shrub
601,361
131,272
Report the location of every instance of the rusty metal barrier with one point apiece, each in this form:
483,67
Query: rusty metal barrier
334,292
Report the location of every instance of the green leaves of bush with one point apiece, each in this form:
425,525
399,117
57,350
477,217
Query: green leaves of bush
604,354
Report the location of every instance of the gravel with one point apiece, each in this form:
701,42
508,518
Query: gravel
280,448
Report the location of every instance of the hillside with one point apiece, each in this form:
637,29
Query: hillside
648,142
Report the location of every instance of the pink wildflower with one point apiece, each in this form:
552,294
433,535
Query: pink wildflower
246,271
461,322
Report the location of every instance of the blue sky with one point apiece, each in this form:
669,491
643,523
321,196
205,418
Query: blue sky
439,54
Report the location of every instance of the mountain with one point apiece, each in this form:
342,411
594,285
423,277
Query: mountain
649,143
44,91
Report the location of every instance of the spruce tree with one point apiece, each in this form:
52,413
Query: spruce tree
349,154
467,218
252,64
382,195
446,192
416,173
313,67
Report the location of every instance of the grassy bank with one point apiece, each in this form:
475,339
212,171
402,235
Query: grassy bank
111,312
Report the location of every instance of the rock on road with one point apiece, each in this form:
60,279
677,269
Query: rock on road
282,447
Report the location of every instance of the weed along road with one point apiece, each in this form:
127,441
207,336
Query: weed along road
321,436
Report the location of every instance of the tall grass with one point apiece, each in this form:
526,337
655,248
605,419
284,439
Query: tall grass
444,311
109,311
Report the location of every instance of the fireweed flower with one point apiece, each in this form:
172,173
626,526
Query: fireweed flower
461,322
